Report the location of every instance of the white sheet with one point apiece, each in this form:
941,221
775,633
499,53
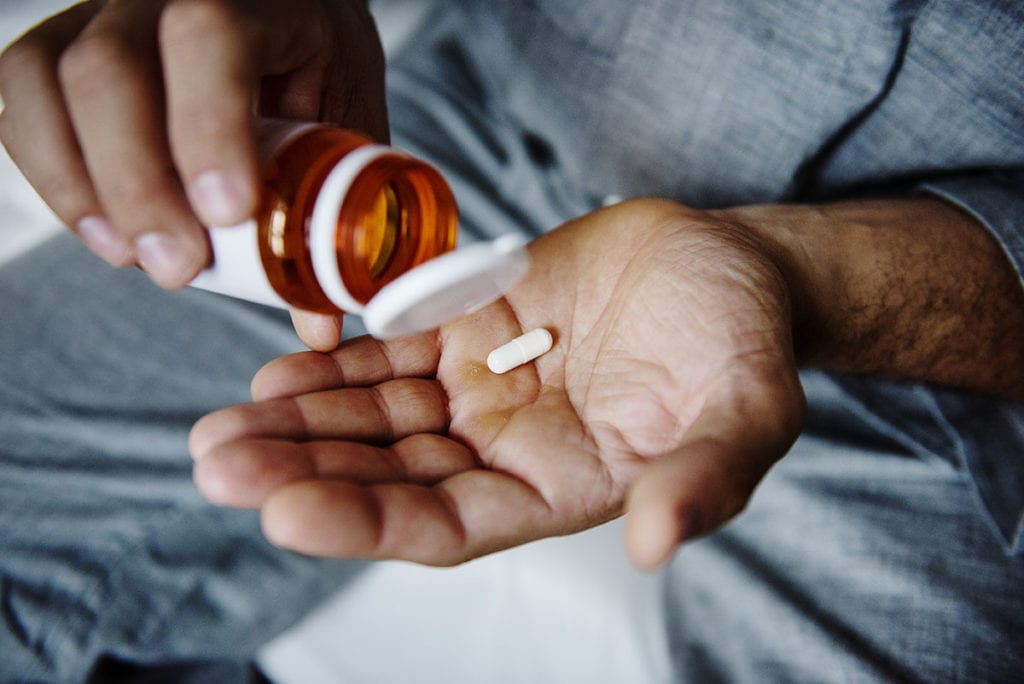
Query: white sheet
560,610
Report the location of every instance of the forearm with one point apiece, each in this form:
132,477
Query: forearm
906,288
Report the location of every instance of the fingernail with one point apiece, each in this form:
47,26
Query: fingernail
164,258
220,199
101,239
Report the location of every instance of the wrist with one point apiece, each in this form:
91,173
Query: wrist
810,256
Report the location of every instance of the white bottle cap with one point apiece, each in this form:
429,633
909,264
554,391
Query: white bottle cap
323,224
446,287
435,292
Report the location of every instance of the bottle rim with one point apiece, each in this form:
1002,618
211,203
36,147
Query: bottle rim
324,223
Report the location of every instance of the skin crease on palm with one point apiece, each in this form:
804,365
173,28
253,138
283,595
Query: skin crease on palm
413,449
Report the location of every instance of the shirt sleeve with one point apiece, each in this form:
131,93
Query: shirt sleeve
996,200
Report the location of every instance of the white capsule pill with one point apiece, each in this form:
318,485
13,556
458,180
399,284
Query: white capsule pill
523,349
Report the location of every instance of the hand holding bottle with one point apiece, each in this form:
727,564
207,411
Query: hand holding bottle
134,120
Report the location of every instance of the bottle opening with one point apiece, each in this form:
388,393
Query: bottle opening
377,239
341,217
292,182
397,214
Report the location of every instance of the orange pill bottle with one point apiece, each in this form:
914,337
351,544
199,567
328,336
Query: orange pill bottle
345,225
340,217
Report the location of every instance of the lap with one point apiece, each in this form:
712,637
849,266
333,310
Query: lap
855,561
106,549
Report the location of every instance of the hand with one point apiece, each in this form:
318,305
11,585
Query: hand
669,393
134,120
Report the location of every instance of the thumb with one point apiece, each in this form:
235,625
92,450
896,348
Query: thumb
708,479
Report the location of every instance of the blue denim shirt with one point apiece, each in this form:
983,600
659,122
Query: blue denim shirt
725,103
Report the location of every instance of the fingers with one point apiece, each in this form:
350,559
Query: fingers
38,134
708,479
358,362
382,414
465,516
84,121
214,54
684,495
423,498
134,121
110,77
243,474
210,71
319,332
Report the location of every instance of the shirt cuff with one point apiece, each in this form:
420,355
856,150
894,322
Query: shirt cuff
995,200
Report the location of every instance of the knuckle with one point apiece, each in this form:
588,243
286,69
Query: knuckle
87,62
134,190
66,196
205,135
186,21
135,201
20,58
62,193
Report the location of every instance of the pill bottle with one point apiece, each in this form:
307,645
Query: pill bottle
340,219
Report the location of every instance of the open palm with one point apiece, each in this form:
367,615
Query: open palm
670,391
